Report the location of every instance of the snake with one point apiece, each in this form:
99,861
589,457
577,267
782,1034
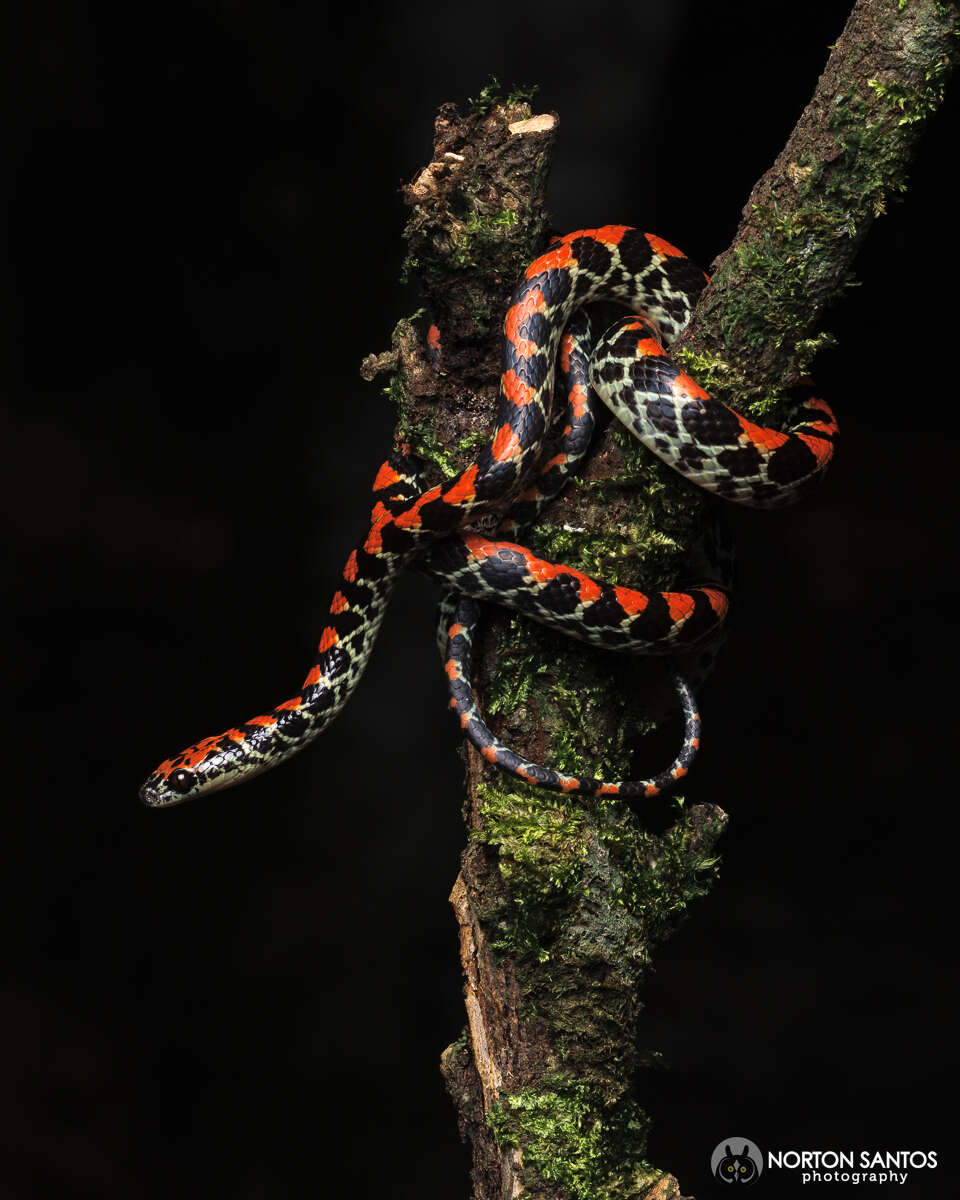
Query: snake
630,371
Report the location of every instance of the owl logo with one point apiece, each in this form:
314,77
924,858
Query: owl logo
736,1160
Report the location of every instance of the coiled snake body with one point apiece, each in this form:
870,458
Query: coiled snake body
696,435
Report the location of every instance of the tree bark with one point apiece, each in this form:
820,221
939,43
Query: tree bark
561,901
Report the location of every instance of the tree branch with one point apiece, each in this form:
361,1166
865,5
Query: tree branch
560,901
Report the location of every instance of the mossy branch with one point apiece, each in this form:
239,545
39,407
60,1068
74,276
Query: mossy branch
756,329
561,900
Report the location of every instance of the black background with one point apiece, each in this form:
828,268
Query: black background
248,996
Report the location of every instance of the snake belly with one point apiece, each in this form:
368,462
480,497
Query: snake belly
698,436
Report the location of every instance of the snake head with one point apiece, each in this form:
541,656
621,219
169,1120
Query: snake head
205,767
161,790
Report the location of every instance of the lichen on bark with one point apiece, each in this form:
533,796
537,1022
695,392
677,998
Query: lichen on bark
561,900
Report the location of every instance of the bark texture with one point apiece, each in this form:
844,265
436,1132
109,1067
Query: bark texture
561,900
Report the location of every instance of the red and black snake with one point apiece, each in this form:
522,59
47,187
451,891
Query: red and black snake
629,370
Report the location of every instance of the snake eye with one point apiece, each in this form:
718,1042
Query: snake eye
181,781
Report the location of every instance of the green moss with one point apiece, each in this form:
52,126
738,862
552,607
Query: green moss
557,853
607,556
786,263
711,371
396,393
517,670
415,425
522,93
422,438
566,743
471,442
491,94
540,855
418,429
914,104
789,271
488,98
722,380
661,875
660,495
473,238
571,1140
539,683
624,538
876,152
